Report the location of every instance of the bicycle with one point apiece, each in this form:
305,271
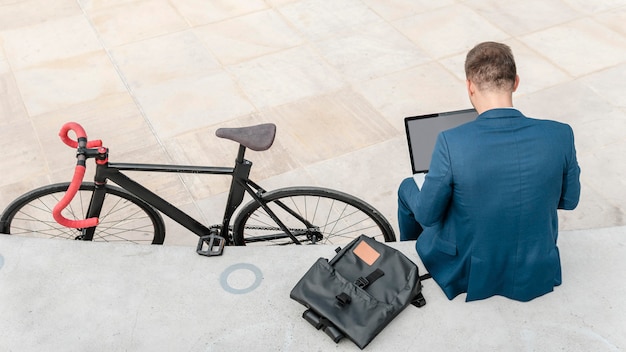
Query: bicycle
98,211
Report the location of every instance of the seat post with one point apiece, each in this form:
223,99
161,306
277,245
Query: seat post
241,153
241,171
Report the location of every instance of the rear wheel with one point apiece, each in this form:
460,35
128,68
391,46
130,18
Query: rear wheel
311,214
124,217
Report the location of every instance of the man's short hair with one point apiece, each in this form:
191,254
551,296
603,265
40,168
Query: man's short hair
491,66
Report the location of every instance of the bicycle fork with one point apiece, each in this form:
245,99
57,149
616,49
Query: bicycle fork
94,210
97,197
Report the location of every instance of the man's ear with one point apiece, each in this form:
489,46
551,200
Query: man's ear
516,84
471,88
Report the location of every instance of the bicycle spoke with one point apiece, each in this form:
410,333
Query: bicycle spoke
51,232
123,217
334,217
106,235
48,226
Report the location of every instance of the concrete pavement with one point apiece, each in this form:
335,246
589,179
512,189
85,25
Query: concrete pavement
75,296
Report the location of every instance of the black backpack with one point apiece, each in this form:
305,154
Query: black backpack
358,292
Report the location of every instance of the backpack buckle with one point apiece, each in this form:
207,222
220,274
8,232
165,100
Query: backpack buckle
362,282
343,299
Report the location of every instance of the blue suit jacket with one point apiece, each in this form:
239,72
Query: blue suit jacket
489,205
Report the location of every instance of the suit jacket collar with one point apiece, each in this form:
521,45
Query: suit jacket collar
500,113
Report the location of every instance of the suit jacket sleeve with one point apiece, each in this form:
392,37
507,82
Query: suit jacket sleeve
436,192
570,192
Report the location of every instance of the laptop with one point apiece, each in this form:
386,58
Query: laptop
422,131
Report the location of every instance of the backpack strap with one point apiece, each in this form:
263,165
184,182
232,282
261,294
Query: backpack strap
363,282
322,323
419,301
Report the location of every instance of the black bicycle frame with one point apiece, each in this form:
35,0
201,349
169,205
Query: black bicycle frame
240,184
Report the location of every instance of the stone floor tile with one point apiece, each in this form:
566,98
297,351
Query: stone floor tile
392,10
614,19
55,85
327,126
22,156
11,191
94,5
593,211
448,30
156,60
579,47
590,7
285,76
17,14
597,136
242,38
11,105
421,90
371,51
62,38
199,12
321,19
277,3
536,73
523,17
4,64
606,175
182,105
609,84
114,119
136,21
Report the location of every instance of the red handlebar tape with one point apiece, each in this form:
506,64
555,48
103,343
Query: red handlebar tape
80,133
79,173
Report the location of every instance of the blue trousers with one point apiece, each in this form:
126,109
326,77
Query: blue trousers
410,229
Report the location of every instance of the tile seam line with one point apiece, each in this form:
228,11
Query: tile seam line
124,80
140,108
121,76
29,116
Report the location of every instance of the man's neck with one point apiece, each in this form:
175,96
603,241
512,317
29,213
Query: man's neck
492,100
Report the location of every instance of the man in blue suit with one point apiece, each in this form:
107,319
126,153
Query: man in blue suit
488,205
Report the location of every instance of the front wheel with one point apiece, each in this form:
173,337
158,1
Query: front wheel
124,217
312,215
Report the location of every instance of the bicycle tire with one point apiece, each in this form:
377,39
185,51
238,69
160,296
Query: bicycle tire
124,217
337,218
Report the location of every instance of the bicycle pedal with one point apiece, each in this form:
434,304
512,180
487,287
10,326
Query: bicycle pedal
214,245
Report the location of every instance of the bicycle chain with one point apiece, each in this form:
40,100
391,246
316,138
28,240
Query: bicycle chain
258,228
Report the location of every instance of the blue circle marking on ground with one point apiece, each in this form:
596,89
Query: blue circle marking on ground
258,276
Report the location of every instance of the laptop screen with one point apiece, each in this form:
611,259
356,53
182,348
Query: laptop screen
422,131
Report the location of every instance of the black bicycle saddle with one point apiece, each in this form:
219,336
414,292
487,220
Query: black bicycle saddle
258,137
